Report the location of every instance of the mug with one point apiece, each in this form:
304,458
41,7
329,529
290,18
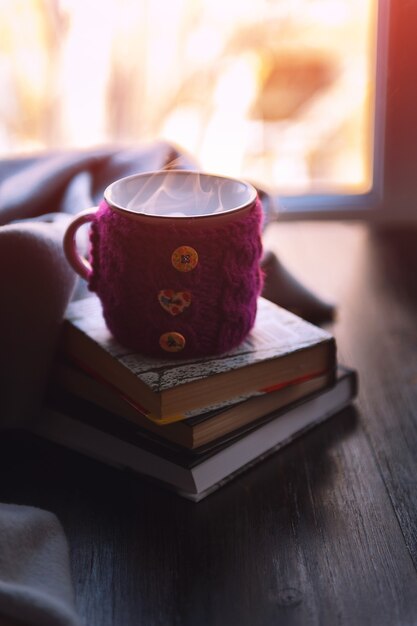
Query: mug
175,260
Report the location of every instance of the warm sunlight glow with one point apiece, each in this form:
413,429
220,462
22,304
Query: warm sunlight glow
277,91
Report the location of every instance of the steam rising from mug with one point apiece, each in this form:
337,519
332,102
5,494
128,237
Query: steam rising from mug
178,194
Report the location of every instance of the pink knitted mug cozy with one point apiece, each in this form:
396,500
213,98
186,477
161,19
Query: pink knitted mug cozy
177,286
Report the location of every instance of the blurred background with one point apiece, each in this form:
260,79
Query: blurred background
277,91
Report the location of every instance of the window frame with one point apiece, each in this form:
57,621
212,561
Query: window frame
393,195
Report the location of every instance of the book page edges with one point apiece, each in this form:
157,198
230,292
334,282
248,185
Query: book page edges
272,436
199,430
212,473
171,403
318,358
256,408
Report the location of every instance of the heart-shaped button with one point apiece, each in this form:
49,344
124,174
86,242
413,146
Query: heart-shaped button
175,302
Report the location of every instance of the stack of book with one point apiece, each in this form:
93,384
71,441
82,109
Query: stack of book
191,424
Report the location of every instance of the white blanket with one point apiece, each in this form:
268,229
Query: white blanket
35,581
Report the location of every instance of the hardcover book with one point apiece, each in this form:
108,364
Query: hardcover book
193,474
281,348
200,428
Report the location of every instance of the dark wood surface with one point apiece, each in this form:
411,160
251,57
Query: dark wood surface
324,532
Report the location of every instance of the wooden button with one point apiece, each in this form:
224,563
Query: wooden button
184,258
172,342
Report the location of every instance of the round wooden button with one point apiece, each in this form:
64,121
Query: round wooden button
184,258
172,342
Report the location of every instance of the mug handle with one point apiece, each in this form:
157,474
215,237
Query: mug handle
78,262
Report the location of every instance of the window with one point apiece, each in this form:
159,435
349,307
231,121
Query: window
312,98
392,196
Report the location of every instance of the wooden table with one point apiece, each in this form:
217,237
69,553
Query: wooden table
324,532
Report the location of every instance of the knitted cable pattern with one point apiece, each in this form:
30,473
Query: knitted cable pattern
132,264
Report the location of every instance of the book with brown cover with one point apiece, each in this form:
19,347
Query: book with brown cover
280,348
